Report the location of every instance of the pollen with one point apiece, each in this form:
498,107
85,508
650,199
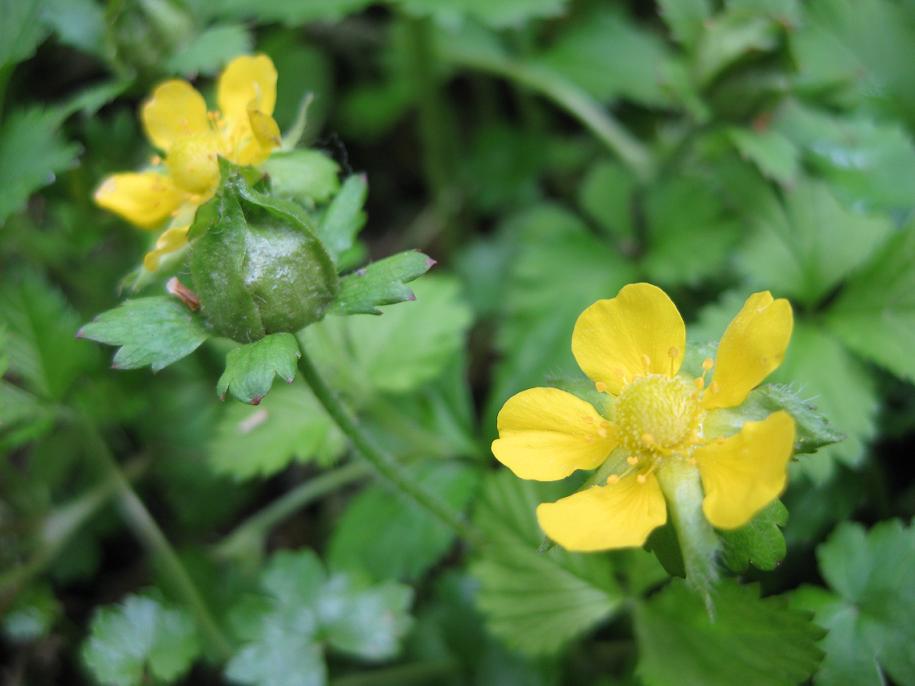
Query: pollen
657,414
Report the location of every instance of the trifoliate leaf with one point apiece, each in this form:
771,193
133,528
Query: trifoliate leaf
308,176
369,536
21,31
409,345
154,331
500,14
32,151
535,602
250,368
300,607
41,348
870,613
875,314
771,151
808,244
210,50
381,283
760,542
288,425
609,56
751,641
140,634
344,217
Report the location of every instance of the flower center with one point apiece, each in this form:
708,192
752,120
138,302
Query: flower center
193,164
657,414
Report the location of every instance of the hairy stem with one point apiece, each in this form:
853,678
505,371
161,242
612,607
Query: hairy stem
147,530
384,465
248,537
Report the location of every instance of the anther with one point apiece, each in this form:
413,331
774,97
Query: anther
601,387
633,459
708,363
642,478
155,160
613,478
648,440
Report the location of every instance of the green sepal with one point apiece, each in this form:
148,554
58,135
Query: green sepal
344,217
154,331
381,283
813,430
760,542
250,368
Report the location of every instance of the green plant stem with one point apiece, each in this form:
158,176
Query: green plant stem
435,131
145,528
61,524
249,535
420,672
384,464
566,95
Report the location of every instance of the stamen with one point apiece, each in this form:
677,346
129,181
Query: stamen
648,440
633,459
673,353
646,361
155,160
642,478
601,387
613,478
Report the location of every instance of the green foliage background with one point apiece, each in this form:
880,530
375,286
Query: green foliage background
545,153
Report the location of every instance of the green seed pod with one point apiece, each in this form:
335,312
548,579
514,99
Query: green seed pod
257,267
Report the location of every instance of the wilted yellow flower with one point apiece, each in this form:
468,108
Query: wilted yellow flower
654,421
177,122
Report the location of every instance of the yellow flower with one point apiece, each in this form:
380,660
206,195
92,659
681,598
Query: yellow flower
177,122
655,421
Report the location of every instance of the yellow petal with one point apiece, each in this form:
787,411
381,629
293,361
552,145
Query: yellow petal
145,199
636,333
171,240
247,82
619,515
744,473
545,434
752,347
175,110
193,163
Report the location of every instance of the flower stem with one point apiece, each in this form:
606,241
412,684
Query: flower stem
384,464
248,537
145,528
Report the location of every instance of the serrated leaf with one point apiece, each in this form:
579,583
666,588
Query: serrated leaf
32,151
140,634
760,542
771,151
500,14
685,18
344,217
730,36
381,283
210,50
409,345
870,613
808,244
535,602
875,314
250,368
369,536
154,331
751,641
21,31
308,176
289,425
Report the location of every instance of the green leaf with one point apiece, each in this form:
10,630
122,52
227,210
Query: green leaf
773,152
610,57
292,13
299,608
502,14
808,244
154,331
79,23
868,163
41,346
870,613
875,314
140,634
408,346
289,425
685,18
751,641
381,283
535,602
250,368
308,176
729,37
31,615
369,536
21,31
210,50
32,151
344,217
606,196
759,543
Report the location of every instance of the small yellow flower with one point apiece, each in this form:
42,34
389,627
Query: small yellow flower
177,122
655,421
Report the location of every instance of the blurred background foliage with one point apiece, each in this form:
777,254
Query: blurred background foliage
545,152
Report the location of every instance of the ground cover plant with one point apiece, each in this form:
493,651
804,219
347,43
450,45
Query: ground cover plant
392,342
